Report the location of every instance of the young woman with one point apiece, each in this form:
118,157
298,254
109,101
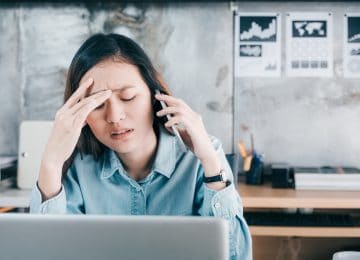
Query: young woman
112,151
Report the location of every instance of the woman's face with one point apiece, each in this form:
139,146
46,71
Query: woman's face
124,122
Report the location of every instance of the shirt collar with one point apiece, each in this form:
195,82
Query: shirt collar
165,160
111,163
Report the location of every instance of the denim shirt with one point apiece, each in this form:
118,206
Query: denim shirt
173,187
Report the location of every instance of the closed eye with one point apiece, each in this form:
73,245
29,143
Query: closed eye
128,99
123,99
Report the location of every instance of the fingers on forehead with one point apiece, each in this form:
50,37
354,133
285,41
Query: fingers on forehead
84,89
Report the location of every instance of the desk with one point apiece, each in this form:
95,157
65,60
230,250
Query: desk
272,242
265,197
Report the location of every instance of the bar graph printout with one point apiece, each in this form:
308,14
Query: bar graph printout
351,57
309,44
257,46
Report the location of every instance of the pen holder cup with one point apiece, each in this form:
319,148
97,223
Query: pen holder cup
255,175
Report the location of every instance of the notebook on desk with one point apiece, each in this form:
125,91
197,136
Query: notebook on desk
81,237
327,178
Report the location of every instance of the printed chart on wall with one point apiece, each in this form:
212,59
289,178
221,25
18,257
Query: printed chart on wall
309,44
257,45
352,45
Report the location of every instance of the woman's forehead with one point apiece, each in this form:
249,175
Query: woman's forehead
113,71
114,75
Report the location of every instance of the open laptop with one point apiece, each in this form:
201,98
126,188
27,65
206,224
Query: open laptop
35,237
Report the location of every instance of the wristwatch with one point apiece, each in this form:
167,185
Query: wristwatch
221,176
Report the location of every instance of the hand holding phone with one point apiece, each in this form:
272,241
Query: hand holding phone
173,128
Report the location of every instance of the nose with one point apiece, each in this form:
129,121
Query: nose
115,111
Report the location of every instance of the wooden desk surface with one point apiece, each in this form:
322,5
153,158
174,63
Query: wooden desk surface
320,232
264,196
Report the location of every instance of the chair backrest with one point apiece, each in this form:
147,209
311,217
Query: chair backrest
32,140
346,255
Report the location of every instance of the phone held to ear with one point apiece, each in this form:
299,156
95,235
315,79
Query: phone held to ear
173,128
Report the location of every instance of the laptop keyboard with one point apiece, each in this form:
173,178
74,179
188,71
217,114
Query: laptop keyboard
300,219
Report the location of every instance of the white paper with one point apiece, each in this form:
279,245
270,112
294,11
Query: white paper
6,161
309,44
257,46
351,59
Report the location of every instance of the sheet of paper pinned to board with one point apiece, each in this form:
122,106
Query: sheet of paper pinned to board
309,44
257,46
351,58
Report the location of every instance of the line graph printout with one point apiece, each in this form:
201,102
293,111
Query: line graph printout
351,57
257,45
309,44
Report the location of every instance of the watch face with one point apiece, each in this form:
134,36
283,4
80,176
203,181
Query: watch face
223,176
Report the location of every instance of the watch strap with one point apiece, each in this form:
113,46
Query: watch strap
217,178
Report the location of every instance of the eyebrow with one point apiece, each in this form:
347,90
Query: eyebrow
122,88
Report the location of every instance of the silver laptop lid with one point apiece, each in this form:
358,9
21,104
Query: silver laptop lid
25,236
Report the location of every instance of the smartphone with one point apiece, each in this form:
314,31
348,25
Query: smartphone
173,128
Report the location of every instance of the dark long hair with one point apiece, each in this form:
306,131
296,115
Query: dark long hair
98,48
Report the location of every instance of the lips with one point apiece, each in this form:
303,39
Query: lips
121,133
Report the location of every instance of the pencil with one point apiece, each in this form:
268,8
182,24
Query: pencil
242,149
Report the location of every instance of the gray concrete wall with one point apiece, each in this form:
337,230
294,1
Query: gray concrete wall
302,121
10,81
307,121
190,44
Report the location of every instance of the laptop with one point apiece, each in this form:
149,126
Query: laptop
80,237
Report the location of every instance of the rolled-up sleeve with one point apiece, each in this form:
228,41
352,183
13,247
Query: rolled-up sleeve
55,205
227,204
69,200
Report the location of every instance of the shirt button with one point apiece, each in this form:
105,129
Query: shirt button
217,205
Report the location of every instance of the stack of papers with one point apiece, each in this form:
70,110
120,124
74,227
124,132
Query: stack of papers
327,178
